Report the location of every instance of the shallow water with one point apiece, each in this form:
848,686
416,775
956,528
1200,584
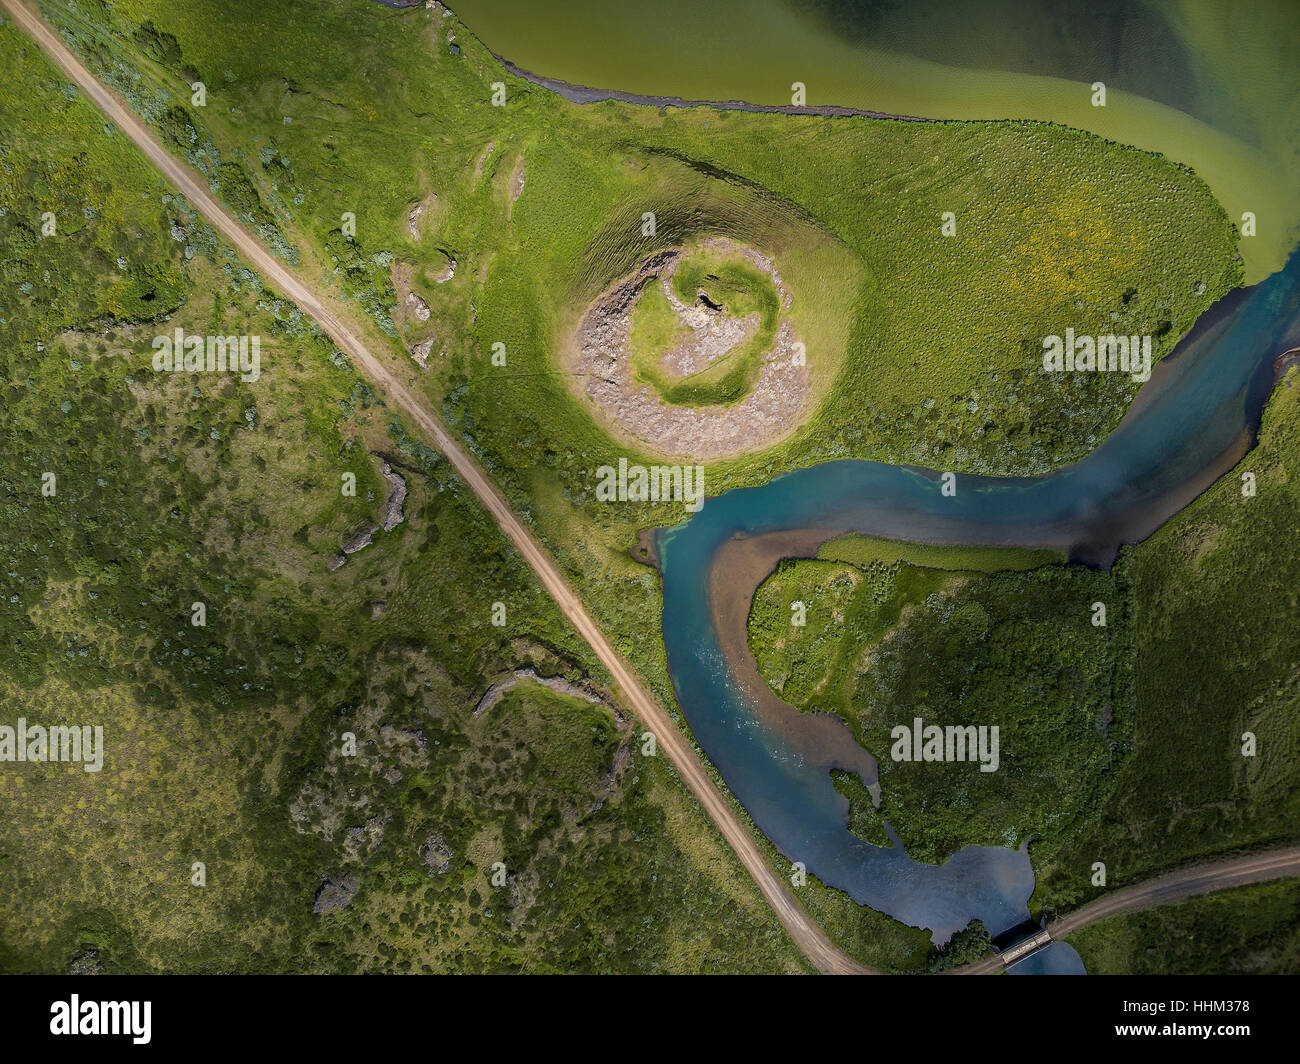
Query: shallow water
1205,85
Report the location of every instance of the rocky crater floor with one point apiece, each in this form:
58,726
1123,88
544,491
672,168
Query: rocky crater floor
603,368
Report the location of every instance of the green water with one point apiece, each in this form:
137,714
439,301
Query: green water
1222,90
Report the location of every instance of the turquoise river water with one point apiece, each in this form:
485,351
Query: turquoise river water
1197,414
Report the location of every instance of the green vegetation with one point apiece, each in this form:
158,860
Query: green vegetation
732,285
889,642
1016,651
864,822
1136,730
861,551
847,610
922,349
966,946
655,329
128,260
1217,652
224,743
1247,931
929,351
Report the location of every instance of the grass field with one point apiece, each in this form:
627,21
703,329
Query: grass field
224,743
319,115
1137,729
862,551
740,290
1217,654
888,641
1247,931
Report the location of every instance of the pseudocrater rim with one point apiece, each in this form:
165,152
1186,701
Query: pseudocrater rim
706,351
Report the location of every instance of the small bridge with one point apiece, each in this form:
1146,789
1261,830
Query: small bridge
1026,947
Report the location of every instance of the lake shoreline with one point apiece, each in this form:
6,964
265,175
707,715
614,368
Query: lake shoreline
584,94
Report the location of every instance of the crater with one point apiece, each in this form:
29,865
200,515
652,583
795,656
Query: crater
695,354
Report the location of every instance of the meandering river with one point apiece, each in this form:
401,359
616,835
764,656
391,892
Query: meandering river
1192,422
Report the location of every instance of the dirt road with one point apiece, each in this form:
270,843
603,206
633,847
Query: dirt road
1185,883
806,934
810,939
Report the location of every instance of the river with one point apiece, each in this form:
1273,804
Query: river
1193,421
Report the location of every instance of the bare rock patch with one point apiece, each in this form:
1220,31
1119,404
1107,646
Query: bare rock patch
773,408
